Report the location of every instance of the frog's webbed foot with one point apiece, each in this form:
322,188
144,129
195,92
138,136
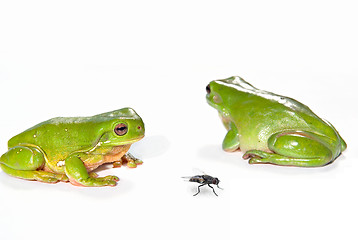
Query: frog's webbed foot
110,177
96,182
257,156
47,177
129,160
78,175
117,164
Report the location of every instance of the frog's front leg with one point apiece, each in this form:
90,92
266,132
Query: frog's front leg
25,162
302,149
79,176
130,161
231,140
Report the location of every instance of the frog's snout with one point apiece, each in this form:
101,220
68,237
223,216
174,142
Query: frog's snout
140,129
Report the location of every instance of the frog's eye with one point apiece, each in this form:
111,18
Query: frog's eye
121,129
208,89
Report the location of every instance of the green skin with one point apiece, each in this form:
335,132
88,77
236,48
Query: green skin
68,149
270,128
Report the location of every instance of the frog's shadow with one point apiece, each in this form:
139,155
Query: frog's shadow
93,192
150,146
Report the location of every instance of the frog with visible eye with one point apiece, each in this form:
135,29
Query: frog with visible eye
68,149
270,128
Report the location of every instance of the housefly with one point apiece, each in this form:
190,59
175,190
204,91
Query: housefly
204,180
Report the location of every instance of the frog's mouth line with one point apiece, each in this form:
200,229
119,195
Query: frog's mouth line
99,143
127,142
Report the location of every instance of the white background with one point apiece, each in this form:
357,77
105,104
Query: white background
80,58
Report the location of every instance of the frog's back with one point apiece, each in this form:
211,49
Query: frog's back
303,118
60,131
71,133
266,105
268,113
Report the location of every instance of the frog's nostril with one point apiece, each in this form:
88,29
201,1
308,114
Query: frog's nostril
139,127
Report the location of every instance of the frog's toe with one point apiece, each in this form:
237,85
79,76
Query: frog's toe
107,181
131,161
255,160
131,164
138,162
257,154
111,178
117,164
48,180
111,183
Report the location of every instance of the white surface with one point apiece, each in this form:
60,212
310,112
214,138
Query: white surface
78,58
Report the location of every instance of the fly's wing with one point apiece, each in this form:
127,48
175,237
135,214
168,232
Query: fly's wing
198,171
196,178
186,178
197,174
203,174
200,177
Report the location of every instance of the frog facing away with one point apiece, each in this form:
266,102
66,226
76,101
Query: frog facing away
270,128
68,149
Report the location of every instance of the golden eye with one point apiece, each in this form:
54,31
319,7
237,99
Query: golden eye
121,129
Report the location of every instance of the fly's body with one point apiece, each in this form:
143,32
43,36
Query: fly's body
204,180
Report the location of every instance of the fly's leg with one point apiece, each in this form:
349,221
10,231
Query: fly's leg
198,189
212,189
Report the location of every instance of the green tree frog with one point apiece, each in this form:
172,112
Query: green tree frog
270,128
68,149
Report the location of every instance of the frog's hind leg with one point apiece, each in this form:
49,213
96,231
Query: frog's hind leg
293,149
25,162
343,143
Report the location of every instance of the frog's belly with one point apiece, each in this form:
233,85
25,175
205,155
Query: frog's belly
254,139
114,155
91,162
247,143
